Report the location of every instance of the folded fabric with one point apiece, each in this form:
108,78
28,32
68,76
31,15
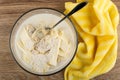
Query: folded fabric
96,25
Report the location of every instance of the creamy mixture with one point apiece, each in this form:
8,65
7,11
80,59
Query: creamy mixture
39,50
42,48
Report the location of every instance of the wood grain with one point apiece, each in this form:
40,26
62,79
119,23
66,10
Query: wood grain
10,10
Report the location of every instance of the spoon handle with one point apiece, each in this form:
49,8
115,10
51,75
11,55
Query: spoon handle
78,7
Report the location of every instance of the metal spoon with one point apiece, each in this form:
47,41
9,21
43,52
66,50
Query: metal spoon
78,7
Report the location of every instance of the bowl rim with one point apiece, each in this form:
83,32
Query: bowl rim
11,36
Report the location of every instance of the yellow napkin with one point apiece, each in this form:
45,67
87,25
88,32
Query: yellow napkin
96,24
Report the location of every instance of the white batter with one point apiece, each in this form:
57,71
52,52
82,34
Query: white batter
43,50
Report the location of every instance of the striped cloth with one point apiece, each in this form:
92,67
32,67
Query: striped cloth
96,24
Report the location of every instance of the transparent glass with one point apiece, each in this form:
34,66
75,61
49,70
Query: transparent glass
16,27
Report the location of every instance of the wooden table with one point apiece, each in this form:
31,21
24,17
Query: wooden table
10,10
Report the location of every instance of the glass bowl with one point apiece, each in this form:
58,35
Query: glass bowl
18,25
